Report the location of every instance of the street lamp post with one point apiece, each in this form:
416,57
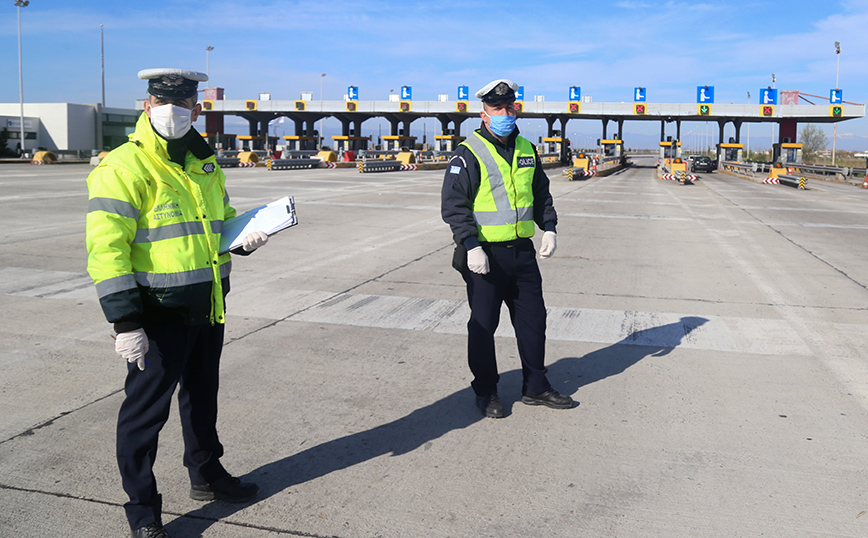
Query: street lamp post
321,77
772,149
837,73
20,4
748,130
102,63
208,50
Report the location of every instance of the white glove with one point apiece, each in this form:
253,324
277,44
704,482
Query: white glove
477,260
253,241
549,245
133,346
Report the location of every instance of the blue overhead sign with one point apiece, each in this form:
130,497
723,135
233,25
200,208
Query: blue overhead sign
705,94
353,93
768,96
463,93
639,95
575,93
407,92
519,95
836,97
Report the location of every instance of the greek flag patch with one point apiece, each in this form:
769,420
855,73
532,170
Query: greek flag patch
525,162
454,169
208,168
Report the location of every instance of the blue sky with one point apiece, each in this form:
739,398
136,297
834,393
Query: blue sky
607,48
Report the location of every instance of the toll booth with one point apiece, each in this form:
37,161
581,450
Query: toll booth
250,143
730,153
350,143
552,144
396,142
611,148
447,142
300,143
220,140
787,153
669,151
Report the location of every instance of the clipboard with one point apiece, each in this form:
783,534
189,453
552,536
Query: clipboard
270,218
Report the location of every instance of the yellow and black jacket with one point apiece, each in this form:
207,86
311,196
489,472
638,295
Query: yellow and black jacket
153,231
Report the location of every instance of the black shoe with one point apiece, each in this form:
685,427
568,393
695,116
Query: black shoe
153,530
490,406
228,489
550,398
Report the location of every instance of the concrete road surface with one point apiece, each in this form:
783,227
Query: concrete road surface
714,334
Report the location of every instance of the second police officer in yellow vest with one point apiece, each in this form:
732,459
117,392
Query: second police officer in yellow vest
494,194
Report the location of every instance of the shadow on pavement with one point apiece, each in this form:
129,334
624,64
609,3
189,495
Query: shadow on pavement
428,423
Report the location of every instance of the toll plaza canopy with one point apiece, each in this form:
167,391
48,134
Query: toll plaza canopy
451,114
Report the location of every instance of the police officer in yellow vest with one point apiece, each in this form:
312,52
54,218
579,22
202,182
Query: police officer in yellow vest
156,208
494,192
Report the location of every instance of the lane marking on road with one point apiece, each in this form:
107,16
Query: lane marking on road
665,330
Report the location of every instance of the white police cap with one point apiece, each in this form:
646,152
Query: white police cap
170,83
498,91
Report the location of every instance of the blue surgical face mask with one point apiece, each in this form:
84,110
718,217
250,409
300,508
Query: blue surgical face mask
501,125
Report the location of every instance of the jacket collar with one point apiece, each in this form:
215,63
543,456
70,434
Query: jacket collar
146,136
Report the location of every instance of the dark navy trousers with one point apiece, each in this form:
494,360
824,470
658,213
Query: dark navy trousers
183,356
514,279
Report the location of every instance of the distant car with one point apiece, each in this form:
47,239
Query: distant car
701,163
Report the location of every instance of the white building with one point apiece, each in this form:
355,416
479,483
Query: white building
67,126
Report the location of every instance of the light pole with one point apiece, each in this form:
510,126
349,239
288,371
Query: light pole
321,77
748,130
208,50
20,4
837,73
102,62
772,149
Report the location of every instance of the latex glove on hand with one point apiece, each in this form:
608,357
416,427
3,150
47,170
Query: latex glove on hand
253,241
477,260
549,245
133,346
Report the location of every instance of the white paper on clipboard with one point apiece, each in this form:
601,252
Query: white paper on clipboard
270,218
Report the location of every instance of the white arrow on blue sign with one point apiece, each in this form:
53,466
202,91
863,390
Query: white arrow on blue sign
705,94
639,95
406,92
768,96
836,97
463,93
353,93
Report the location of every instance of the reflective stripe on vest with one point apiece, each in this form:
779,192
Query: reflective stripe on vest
505,222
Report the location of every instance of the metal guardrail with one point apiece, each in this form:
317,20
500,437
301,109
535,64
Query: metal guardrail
297,163
299,153
380,166
817,170
228,162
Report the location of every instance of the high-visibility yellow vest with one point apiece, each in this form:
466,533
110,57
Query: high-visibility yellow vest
503,207
154,225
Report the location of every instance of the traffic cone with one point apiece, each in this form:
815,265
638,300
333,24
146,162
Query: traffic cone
865,183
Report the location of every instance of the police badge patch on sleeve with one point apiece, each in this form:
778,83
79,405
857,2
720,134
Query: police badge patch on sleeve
525,162
208,168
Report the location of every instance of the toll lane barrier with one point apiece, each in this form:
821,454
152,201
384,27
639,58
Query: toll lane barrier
575,174
293,164
788,180
681,178
379,166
